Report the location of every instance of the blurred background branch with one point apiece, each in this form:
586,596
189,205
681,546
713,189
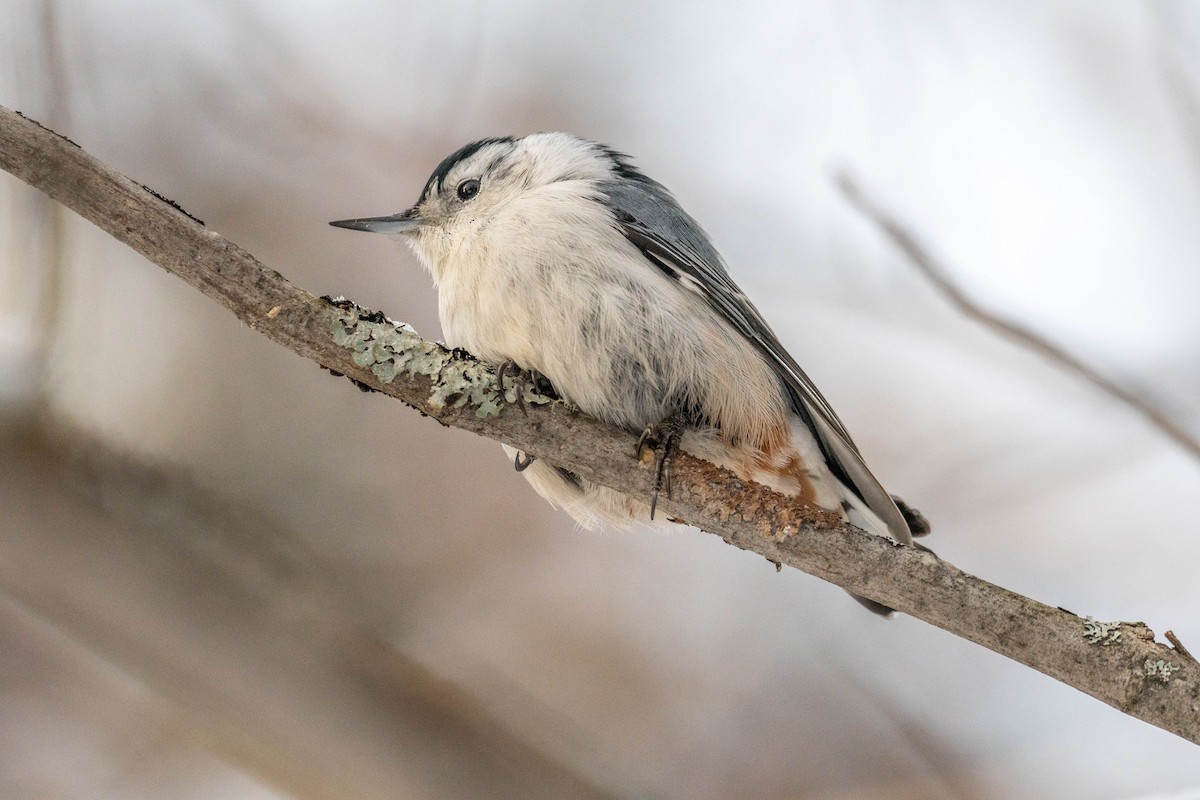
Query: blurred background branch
257,646
940,278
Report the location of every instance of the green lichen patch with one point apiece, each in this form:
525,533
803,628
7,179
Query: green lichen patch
1159,670
461,382
1101,633
389,348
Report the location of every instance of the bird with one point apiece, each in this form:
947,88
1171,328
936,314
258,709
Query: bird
557,255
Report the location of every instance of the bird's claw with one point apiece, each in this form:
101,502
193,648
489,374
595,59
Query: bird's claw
521,461
664,436
522,379
502,372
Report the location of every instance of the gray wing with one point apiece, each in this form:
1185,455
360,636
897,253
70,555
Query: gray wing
649,217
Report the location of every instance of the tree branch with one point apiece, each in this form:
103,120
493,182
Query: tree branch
1118,663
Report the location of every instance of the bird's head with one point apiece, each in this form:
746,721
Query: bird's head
471,185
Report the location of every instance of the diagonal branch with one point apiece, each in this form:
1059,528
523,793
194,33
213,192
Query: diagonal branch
1118,663
939,276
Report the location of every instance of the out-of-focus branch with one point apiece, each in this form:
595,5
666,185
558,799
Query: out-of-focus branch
53,216
245,634
937,275
1118,663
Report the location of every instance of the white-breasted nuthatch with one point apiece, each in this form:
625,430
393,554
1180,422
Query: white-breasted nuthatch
557,255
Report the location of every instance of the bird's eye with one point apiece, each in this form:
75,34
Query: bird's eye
468,189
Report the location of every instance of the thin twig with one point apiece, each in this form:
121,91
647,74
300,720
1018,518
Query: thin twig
939,276
1118,663
1178,645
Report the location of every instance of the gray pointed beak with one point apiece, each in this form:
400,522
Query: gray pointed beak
405,222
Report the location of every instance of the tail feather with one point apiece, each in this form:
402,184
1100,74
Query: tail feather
861,515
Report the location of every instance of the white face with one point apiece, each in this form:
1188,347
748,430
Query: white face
467,184
470,186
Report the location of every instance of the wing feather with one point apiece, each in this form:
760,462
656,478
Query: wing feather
653,221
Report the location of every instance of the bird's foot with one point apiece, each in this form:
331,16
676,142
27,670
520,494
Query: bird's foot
521,461
663,439
524,379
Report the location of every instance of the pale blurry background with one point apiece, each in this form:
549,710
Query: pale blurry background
226,574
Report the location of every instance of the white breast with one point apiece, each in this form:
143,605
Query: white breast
548,282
